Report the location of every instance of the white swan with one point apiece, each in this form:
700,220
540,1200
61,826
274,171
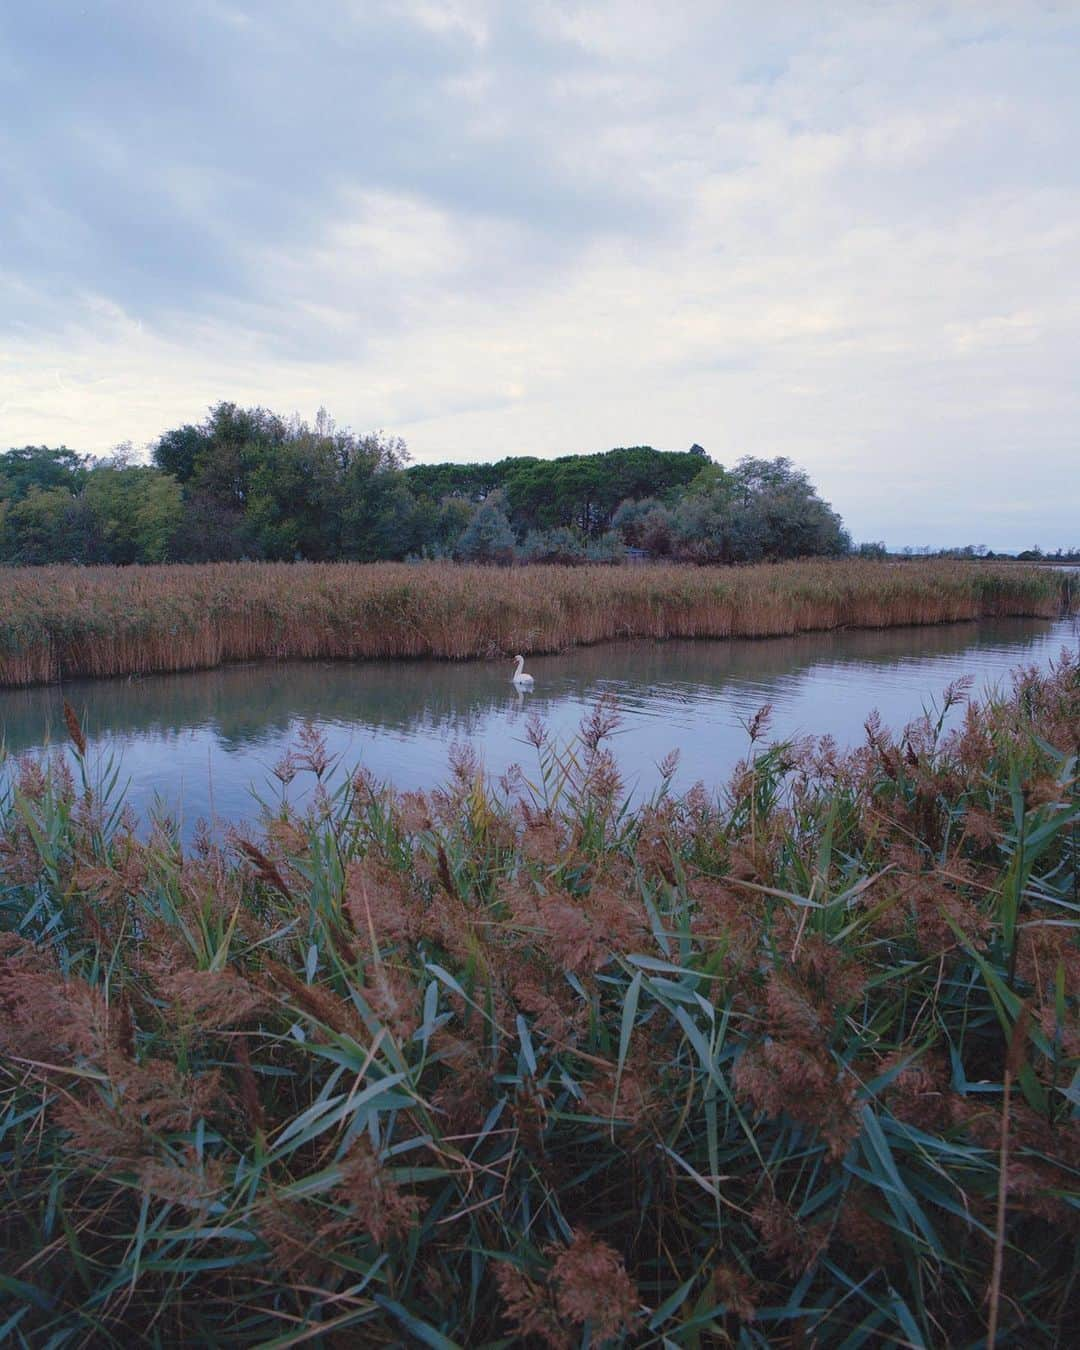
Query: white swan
519,677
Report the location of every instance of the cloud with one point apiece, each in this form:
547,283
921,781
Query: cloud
849,235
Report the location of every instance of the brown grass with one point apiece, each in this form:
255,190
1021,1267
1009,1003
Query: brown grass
790,1067
62,622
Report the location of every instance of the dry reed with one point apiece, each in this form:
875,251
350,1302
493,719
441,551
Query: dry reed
795,1066
63,622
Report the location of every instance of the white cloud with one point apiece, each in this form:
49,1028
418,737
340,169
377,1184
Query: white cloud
853,240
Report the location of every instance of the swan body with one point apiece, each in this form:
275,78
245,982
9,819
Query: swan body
519,677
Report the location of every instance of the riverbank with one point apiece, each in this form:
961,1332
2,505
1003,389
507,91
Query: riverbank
65,622
793,1066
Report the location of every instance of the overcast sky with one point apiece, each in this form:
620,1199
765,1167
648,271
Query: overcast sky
844,232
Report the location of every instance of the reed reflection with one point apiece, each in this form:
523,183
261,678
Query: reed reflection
201,739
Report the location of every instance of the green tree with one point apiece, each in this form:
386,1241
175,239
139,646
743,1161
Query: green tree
471,482
136,511
488,536
579,491
645,524
40,528
249,483
208,531
560,545
158,509
238,440
256,485
379,521
437,526
761,509
41,467
379,512
293,507
177,452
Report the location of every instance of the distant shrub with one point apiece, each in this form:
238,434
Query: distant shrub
609,548
488,537
560,545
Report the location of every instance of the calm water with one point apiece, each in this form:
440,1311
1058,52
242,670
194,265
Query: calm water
201,742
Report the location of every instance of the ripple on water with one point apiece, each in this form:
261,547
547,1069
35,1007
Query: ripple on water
201,740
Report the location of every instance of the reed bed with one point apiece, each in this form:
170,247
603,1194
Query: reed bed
63,622
514,1064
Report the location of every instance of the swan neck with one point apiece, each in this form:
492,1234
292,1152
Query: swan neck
520,666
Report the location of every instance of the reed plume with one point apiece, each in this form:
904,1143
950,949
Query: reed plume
64,622
793,1064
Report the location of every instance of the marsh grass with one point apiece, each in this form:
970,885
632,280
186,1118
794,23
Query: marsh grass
516,1064
63,622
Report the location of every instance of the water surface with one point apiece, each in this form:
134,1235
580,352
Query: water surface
201,742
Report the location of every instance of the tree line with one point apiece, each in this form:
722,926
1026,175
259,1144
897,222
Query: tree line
247,483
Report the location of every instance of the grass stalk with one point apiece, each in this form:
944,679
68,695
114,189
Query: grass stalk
531,1066
64,622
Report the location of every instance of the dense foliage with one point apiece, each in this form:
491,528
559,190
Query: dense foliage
249,484
61,622
521,1064
582,492
761,509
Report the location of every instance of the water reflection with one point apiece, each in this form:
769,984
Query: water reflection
201,739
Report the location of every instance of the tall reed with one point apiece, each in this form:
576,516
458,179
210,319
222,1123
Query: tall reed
516,1064
61,622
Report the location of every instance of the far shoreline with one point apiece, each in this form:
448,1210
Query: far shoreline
65,623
